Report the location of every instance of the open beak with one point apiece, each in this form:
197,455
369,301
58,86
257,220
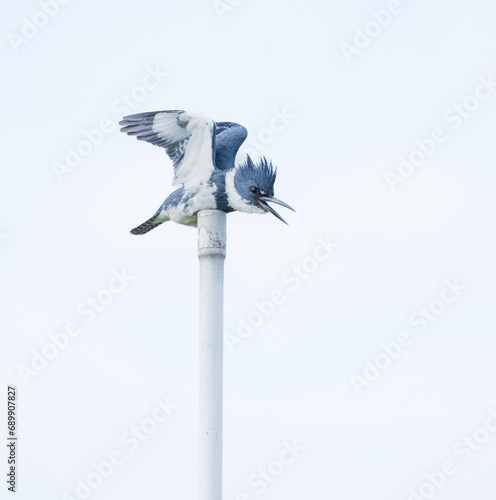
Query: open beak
262,200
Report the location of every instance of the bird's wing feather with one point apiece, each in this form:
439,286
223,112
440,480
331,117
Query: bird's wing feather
187,138
228,139
236,132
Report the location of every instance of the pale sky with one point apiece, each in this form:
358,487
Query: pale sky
370,373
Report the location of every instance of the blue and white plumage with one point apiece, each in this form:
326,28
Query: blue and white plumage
203,155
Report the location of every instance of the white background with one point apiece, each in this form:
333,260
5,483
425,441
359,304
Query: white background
63,236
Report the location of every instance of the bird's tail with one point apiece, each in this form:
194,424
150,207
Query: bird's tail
148,225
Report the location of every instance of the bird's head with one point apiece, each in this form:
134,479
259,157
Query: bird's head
254,184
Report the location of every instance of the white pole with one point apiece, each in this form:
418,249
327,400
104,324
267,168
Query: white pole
211,253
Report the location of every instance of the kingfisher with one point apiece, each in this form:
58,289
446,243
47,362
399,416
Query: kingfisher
203,155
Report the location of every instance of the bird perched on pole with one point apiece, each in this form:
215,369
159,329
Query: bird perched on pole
203,154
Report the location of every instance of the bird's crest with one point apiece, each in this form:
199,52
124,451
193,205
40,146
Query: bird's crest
263,173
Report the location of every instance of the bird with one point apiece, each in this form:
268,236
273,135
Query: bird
203,154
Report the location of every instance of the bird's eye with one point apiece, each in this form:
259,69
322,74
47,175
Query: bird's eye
254,190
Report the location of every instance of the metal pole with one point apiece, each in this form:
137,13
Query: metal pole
211,253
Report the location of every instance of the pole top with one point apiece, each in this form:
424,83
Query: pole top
211,233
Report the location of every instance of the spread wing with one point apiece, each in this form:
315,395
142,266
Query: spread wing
228,138
187,137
